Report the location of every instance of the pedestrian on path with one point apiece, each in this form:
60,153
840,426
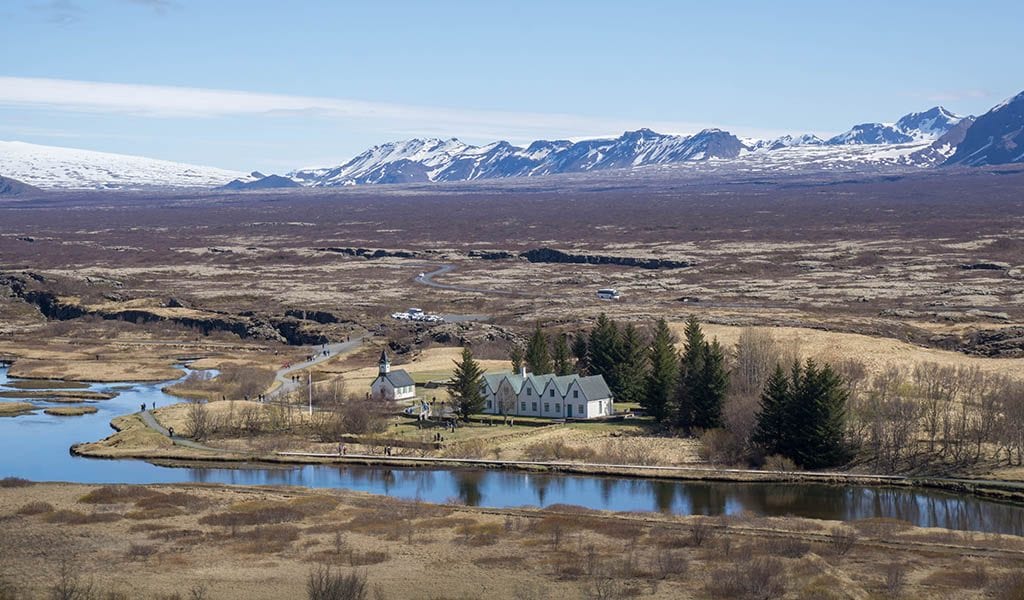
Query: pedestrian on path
170,432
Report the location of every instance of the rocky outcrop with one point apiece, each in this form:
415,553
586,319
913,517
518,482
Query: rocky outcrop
491,254
550,255
370,254
289,329
986,266
318,316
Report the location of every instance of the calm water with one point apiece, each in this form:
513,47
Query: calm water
36,447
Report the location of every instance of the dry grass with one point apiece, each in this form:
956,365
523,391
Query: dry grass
259,543
70,411
13,409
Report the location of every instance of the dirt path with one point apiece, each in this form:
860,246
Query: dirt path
322,354
150,420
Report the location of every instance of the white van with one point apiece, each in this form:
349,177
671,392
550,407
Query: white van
608,294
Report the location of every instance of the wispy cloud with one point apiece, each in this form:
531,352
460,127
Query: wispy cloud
158,6
60,12
185,102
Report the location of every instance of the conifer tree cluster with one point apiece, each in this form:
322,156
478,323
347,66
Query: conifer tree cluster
803,416
544,354
687,390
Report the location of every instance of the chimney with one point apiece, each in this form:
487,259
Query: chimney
522,371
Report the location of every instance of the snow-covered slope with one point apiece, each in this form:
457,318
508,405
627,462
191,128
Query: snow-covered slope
452,160
69,168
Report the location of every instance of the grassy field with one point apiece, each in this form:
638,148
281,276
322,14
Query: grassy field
248,542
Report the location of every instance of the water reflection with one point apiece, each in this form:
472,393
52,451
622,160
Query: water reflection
36,447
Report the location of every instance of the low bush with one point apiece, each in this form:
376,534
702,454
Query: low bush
72,517
841,540
141,551
324,583
35,508
557,450
116,494
14,482
760,578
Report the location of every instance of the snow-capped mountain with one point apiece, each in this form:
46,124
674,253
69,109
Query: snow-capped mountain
452,160
259,181
997,137
70,168
807,139
919,126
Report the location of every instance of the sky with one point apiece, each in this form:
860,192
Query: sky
275,86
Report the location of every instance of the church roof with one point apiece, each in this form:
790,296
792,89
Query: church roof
398,378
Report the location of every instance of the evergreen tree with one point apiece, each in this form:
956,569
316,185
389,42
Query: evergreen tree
663,375
515,354
581,353
821,402
604,351
561,359
803,416
691,372
771,429
631,370
465,386
714,383
537,358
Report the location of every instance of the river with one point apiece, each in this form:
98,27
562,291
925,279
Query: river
36,447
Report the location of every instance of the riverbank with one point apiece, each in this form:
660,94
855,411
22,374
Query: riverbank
263,542
135,439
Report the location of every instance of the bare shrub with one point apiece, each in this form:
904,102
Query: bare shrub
721,446
759,578
700,532
557,450
474,448
895,580
325,584
14,482
670,563
70,586
140,551
35,508
71,517
116,494
777,462
197,420
1008,587
841,540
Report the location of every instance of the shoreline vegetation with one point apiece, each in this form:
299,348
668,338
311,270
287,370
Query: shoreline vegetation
244,541
135,440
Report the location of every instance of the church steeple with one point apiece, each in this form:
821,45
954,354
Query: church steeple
384,364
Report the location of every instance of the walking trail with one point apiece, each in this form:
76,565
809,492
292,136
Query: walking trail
285,385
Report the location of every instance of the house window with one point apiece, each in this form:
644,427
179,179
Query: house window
534,407
488,405
582,411
552,393
547,407
558,408
529,392
522,406
575,393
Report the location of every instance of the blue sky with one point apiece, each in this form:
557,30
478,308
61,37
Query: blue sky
269,85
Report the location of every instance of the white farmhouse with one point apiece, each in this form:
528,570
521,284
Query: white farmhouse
391,385
548,396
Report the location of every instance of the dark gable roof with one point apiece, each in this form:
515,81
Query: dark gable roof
399,378
594,386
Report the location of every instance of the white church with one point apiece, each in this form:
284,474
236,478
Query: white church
547,396
391,385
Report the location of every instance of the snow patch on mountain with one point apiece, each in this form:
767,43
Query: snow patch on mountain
70,168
